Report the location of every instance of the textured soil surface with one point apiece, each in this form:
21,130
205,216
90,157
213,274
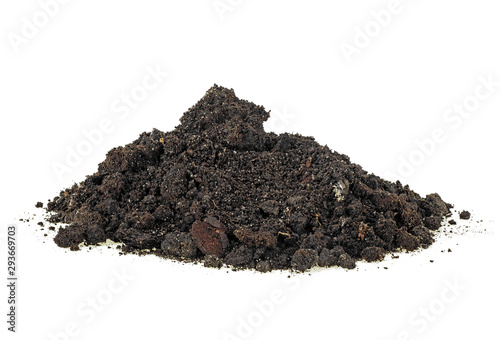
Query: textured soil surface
220,190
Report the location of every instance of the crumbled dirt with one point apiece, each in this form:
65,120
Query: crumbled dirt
218,189
372,254
465,215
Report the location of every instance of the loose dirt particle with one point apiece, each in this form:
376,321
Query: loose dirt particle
465,215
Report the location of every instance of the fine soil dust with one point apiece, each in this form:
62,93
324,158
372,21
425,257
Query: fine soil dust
221,190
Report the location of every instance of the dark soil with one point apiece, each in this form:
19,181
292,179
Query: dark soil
465,215
221,190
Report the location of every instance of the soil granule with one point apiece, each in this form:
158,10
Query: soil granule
220,190
465,215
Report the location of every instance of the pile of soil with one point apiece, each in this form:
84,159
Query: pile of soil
221,190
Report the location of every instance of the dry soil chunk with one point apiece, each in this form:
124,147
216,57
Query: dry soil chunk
179,244
465,215
346,261
304,259
372,254
405,240
71,235
327,258
240,256
432,222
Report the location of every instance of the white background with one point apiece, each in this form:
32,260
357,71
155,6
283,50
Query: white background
287,56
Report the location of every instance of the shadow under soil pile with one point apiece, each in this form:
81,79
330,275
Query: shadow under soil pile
221,190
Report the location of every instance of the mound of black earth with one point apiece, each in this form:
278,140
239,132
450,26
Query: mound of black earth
219,189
